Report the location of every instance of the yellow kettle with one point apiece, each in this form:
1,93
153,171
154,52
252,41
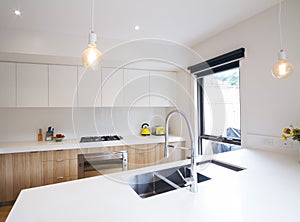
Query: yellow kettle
145,130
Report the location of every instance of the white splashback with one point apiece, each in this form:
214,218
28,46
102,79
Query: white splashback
21,124
272,143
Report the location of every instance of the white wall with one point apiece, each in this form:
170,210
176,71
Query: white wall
47,43
267,104
64,48
184,102
21,124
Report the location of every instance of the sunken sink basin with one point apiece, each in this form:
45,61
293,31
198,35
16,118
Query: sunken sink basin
158,182
153,183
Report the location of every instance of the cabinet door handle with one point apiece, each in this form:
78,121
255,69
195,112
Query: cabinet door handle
59,178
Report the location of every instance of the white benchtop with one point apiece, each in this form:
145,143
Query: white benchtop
268,190
21,147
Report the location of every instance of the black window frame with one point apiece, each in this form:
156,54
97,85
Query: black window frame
216,65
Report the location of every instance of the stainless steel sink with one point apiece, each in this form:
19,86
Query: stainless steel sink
157,182
153,183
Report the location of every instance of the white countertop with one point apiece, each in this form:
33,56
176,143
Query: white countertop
20,147
268,190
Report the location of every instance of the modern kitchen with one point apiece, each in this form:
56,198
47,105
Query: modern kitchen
149,110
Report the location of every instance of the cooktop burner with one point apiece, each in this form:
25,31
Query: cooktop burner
88,139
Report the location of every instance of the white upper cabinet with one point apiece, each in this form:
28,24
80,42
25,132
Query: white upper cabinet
89,88
32,85
62,86
162,89
8,97
41,85
136,88
112,87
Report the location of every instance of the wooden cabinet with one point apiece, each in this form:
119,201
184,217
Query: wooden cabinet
8,85
59,166
24,170
162,89
59,171
32,85
6,175
136,88
112,87
152,154
136,156
19,171
62,86
33,162
89,88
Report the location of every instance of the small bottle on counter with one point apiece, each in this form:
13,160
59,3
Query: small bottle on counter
40,135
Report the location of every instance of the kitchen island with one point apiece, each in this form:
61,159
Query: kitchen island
267,190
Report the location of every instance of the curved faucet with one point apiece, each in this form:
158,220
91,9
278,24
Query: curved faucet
194,178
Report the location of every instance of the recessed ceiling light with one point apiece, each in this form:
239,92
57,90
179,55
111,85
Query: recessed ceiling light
17,12
136,28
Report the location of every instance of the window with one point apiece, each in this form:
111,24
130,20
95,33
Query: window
219,103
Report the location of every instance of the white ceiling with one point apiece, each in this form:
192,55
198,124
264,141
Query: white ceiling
184,21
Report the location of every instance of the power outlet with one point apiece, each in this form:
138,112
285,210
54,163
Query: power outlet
268,142
273,143
283,144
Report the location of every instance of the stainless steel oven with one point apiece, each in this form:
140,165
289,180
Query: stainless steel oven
93,164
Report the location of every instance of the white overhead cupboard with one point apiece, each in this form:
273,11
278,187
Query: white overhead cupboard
112,87
32,85
8,90
89,88
136,88
42,85
62,86
162,88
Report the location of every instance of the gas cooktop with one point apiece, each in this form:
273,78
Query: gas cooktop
88,139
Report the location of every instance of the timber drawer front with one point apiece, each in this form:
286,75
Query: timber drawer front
25,170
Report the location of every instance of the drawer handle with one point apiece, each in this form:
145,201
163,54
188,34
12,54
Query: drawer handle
60,178
59,160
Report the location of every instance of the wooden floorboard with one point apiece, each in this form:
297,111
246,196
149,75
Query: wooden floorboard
4,211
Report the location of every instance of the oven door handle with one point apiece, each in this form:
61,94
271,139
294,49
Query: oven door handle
103,156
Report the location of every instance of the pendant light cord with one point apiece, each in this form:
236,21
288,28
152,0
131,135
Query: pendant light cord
92,15
280,25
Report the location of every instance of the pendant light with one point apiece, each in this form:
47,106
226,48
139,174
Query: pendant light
283,68
92,57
